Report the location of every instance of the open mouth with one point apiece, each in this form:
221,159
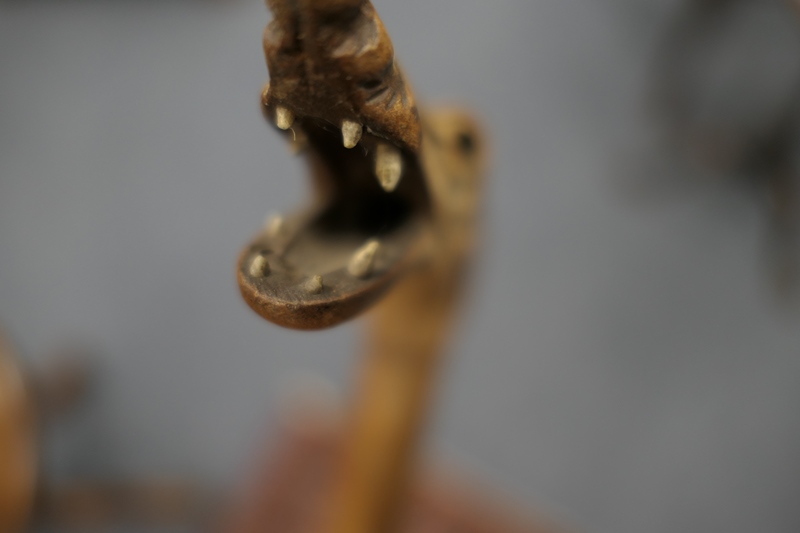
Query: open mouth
322,265
338,96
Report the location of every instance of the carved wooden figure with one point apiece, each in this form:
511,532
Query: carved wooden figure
391,226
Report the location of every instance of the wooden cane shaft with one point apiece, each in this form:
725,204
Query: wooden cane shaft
390,408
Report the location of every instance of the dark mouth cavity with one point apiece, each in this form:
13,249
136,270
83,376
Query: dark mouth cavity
353,202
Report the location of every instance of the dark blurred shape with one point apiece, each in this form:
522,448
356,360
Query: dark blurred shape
100,505
28,400
66,381
735,108
288,491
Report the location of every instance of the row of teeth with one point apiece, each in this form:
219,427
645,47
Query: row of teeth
388,171
361,265
388,160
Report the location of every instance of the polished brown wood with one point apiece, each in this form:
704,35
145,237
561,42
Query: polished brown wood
391,227
18,437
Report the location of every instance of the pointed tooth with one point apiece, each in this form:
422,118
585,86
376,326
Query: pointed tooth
388,166
313,285
283,117
275,225
351,133
363,261
259,267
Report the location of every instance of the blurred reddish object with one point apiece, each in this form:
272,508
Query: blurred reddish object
287,492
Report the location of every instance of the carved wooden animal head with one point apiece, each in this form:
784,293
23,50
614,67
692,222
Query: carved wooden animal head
395,189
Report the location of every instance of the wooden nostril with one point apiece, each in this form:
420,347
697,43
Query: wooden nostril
370,84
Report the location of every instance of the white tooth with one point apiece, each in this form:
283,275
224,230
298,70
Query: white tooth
259,267
283,118
363,261
275,225
388,166
313,285
351,133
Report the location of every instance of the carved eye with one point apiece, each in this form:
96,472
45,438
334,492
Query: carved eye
466,142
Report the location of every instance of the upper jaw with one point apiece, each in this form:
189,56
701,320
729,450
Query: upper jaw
333,60
336,90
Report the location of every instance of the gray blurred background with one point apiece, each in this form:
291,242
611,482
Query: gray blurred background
622,363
